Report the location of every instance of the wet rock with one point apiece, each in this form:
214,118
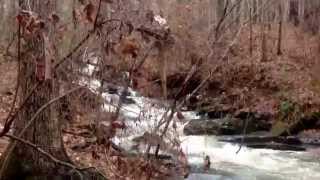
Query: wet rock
112,90
310,137
290,143
128,100
253,139
276,146
244,114
150,155
226,126
217,114
310,141
306,122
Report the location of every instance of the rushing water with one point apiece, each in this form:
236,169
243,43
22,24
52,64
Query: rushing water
248,164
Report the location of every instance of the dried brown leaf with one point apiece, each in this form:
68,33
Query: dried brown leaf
128,47
89,12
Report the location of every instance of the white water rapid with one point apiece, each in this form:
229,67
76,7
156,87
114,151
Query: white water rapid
248,164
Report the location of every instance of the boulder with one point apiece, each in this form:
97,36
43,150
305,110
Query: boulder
310,137
290,143
225,126
276,146
128,100
256,139
306,122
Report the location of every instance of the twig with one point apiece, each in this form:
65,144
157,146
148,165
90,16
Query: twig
18,77
97,16
52,158
11,148
11,117
168,119
244,131
85,39
42,108
8,125
174,106
70,54
12,40
222,19
16,138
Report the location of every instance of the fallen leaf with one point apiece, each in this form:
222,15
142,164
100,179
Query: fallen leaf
90,11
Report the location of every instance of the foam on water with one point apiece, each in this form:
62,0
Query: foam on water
254,162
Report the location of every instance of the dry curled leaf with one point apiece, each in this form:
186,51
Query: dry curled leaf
40,69
128,47
30,22
89,11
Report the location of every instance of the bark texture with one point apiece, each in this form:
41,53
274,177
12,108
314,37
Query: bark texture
19,160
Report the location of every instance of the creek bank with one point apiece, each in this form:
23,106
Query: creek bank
258,133
224,126
289,143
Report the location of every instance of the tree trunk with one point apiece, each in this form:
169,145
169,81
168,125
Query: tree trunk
279,50
251,32
221,12
294,12
263,38
20,161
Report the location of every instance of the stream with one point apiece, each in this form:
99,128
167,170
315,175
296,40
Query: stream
248,164
142,114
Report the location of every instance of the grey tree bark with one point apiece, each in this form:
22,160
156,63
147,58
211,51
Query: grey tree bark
20,161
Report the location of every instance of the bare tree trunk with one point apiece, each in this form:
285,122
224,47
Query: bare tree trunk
279,51
20,161
301,8
2,4
263,37
251,33
318,42
222,8
294,12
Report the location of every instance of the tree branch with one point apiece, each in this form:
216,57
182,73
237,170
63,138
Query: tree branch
52,158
